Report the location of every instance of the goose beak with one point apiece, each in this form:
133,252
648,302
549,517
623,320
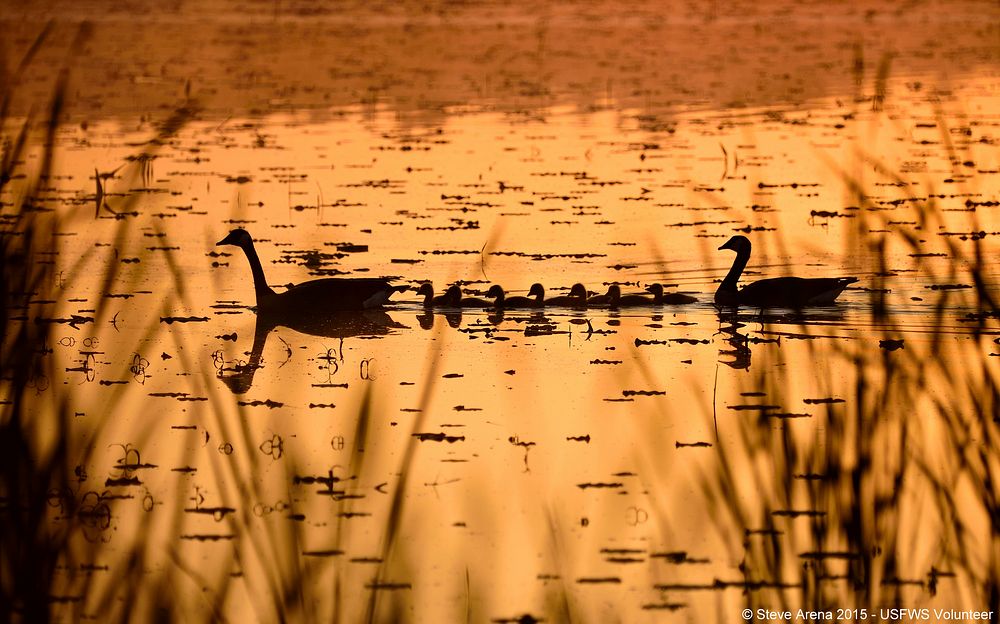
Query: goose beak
230,239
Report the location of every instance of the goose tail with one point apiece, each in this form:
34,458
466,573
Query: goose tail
829,294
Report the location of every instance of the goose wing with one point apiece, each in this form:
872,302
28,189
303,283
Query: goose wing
793,292
634,301
334,293
520,302
677,299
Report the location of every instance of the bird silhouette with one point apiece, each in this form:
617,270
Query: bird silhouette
319,295
577,298
662,298
535,298
778,292
454,293
447,299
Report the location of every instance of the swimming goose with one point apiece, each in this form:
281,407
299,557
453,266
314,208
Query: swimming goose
615,299
319,295
661,298
632,301
577,298
533,300
455,295
447,299
777,292
607,299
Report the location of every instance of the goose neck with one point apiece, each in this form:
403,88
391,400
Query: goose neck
260,286
740,263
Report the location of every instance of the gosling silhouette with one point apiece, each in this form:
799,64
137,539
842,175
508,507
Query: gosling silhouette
661,298
778,292
448,299
321,295
609,298
631,301
534,299
454,293
615,299
577,298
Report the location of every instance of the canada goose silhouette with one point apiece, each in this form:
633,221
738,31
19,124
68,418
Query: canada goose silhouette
777,292
448,299
535,297
661,298
577,298
313,296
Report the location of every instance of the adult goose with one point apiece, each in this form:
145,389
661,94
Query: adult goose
533,300
430,301
315,296
577,298
778,292
661,298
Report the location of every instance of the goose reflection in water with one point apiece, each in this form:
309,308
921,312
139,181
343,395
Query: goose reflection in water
336,324
733,325
452,316
730,326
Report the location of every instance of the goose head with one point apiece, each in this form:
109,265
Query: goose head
579,291
454,295
537,291
740,244
242,239
238,237
655,289
426,290
495,291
